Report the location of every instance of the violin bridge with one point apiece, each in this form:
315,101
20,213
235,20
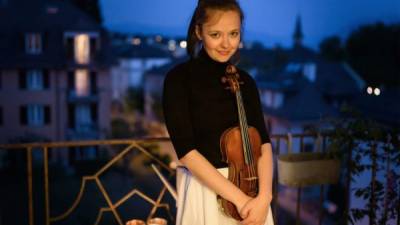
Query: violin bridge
250,178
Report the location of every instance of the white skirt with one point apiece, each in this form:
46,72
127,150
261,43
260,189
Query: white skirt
198,205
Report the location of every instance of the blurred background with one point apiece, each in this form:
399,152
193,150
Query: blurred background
81,116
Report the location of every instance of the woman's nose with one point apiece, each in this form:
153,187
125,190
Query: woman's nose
225,42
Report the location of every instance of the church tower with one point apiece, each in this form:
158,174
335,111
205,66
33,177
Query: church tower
298,33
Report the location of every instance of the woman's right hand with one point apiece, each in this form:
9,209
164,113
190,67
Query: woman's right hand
242,202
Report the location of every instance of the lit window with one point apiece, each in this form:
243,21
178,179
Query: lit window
82,48
82,83
34,80
33,43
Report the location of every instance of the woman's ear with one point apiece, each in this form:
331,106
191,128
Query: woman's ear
198,32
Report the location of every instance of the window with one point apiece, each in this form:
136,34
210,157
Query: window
82,48
33,43
82,83
34,79
272,99
82,117
35,115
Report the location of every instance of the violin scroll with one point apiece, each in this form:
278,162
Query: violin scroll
231,78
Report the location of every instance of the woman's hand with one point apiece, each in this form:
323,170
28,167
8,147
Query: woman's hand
242,202
255,211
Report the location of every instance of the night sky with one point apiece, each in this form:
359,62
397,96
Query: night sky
269,21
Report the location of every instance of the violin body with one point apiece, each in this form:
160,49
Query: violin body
232,153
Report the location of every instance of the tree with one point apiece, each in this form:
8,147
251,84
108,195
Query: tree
331,48
134,99
91,7
374,52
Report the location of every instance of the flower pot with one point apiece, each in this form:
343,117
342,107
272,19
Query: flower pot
307,169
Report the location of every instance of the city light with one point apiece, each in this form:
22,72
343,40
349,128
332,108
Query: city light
369,90
183,44
158,38
136,41
241,45
377,91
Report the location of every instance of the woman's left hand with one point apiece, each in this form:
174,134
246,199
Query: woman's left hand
255,212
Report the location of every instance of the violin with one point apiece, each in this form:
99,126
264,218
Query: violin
240,148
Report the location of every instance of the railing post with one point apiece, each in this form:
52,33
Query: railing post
348,182
275,182
46,185
30,184
372,203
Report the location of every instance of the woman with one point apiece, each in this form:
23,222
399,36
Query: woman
198,109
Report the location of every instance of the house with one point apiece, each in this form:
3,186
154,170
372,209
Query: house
54,73
134,59
301,89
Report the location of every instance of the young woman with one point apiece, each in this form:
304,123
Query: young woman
198,109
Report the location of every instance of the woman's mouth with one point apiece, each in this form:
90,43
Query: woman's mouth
223,53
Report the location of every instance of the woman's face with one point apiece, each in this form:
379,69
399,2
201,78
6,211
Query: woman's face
220,34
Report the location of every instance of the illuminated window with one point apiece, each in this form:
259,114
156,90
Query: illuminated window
33,43
82,83
82,48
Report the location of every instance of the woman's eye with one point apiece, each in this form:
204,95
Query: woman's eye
235,34
214,35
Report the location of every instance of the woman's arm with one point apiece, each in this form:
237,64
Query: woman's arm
265,172
203,170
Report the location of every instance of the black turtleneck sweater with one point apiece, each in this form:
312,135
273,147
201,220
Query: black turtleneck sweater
198,108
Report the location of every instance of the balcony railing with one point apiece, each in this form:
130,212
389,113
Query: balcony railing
281,144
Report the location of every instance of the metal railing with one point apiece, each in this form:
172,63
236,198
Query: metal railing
280,144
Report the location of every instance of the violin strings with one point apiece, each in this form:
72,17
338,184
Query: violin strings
246,139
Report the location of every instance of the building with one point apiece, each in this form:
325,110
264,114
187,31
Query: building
134,59
54,73
300,89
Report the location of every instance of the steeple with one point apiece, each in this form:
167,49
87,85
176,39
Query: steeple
298,32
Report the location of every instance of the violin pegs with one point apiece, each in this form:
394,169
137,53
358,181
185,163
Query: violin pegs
231,69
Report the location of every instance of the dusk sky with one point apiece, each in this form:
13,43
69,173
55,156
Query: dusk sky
269,21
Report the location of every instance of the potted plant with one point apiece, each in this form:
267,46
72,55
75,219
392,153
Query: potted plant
308,168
